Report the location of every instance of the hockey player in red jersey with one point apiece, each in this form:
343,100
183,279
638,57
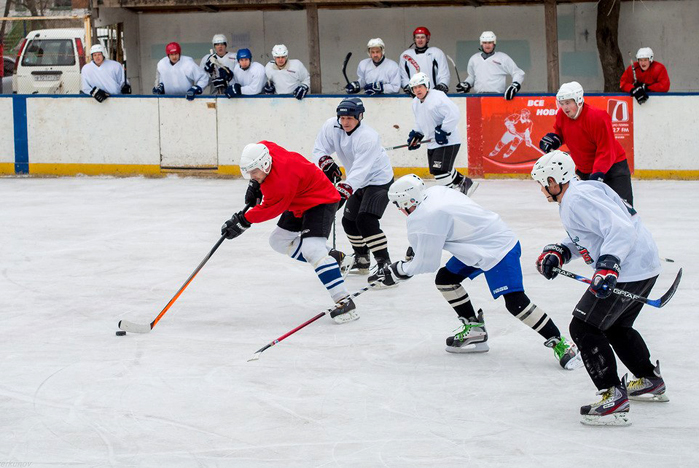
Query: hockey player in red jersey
289,185
645,75
589,135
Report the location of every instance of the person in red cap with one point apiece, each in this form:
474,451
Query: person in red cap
178,74
423,58
645,75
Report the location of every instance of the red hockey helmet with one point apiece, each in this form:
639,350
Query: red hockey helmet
173,48
422,30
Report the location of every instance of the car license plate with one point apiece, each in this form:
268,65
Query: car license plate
46,77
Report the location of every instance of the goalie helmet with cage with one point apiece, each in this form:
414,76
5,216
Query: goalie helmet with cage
255,156
419,79
556,164
376,42
407,192
645,53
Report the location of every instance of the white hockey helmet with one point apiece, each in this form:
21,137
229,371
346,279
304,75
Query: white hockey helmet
280,50
406,192
572,90
255,156
488,36
419,79
645,52
219,39
98,48
376,42
557,164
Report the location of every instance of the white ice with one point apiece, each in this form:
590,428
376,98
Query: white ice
79,254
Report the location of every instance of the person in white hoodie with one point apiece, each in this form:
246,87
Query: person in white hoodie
103,77
178,74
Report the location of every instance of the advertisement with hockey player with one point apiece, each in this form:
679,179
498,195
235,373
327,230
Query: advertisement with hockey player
503,136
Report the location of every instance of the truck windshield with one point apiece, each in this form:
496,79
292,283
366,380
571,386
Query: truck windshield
51,52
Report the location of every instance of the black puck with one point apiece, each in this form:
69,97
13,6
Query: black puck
120,333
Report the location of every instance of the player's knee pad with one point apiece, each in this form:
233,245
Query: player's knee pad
284,242
350,226
314,250
445,277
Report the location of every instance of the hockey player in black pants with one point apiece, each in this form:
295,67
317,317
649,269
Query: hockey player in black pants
365,188
607,232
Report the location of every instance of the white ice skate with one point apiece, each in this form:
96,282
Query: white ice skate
472,338
566,353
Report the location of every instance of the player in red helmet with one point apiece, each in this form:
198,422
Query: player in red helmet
425,59
178,74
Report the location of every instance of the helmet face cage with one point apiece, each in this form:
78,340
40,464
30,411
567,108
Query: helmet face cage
557,165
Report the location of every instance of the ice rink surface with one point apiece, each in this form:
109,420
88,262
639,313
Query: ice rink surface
79,254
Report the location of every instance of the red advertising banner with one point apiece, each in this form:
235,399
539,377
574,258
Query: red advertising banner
503,136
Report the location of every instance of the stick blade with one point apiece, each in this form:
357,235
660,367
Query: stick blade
132,327
255,357
671,292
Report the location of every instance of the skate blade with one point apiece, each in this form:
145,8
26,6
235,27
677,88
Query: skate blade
650,397
359,271
472,188
380,285
575,363
614,419
346,265
346,318
470,348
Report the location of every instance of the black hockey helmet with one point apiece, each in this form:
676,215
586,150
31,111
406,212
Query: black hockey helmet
352,106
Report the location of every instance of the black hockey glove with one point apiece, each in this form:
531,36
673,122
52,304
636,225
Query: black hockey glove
353,87
597,176
209,65
397,271
191,92
98,94
512,90
126,88
640,92
345,190
550,142
301,91
160,89
409,254
373,88
442,87
269,88
408,90
440,136
330,169
235,226
253,195
463,87
606,276
414,139
233,90
553,256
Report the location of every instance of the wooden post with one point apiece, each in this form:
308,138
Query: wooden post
313,48
551,24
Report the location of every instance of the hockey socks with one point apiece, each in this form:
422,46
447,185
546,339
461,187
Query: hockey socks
329,274
519,305
457,297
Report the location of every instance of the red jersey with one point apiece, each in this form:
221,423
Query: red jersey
293,184
655,78
590,139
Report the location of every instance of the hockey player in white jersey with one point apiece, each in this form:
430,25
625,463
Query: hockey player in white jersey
377,74
436,118
286,76
481,243
219,65
248,76
429,60
605,232
365,188
178,74
488,70
103,77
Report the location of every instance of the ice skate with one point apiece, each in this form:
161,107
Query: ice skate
566,353
345,262
361,265
382,273
611,410
344,311
647,388
471,339
467,186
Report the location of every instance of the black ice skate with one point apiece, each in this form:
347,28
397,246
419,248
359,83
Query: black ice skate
467,186
344,311
361,265
647,388
611,410
472,338
382,273
345,262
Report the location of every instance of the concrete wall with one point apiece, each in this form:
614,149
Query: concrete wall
669,27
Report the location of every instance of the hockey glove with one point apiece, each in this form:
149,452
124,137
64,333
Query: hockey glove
550,142
606,276
374,88
408,90
414,139
597,176
191,92
253,195
640,93
345,190
160,89
512,90
126,88
553,256
300,92
409,254
442,87
330,169
269,88
463,87
233,90
209,65
353,87
397,271
440,136
235,226
98,94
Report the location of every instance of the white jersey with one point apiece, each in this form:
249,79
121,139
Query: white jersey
432,62
178,78
251,80
449,220
361,153
287,79
490,75
386,72
598,223
436,109
228,60
108,77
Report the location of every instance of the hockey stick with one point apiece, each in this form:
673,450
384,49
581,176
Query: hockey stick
633,69
453,64
664,299
344,67
132,327
389,148
257,354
